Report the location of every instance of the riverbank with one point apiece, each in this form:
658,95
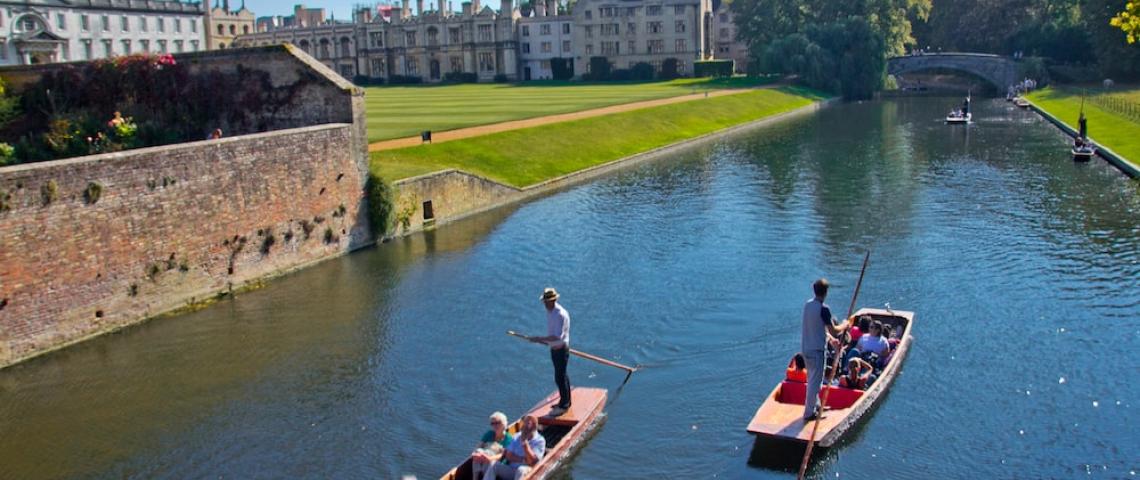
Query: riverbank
405,110
1111,128
530,156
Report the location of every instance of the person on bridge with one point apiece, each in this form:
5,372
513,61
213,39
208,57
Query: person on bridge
558,338
818,329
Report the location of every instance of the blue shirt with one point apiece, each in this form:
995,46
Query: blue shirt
817,316
537,446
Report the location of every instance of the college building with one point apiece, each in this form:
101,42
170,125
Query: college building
540,40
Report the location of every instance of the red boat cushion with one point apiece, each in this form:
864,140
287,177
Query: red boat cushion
795,392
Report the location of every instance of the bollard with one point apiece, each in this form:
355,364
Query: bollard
425,136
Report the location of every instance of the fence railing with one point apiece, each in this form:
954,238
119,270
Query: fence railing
1118,104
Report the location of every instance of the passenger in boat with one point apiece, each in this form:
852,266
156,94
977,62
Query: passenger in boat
860,375
797,369
491,446
524,452
818,328
558,338
873,342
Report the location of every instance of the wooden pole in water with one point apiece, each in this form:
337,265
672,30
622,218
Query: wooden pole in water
834,368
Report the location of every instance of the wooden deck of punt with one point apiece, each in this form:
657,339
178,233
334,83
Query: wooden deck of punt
562,433
779,421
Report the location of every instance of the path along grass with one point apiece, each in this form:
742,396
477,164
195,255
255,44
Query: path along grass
1112,122
531,155
402,111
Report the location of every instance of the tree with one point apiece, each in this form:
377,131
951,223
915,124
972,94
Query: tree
760,22
1117,58
847,57
599,68
1129,21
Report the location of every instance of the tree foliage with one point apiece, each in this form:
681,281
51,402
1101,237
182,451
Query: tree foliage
1129,21
761,22
847,57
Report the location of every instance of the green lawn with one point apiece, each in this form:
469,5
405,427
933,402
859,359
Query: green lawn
402,111
532,155
1110,123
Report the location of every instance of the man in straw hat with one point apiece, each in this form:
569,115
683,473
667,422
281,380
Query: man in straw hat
558,338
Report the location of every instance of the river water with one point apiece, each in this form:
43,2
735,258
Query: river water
1022,267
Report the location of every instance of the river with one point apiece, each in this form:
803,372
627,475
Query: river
1022,268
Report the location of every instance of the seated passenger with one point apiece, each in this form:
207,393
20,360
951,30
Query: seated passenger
797,369
860,375
491,446
873,342
524,452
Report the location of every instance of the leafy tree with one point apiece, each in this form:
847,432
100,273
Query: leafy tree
846,57
1129,21
761,22
1117,58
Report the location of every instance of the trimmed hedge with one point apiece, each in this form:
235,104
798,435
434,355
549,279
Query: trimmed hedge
714,68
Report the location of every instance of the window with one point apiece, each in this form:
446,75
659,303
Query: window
678,9
632,47
484,33
87,50
377,39
566,29
244,29
547,47
565,46
85,25
194,26
161,24
144,45
679,26
347,71
679,45
610,48
487,62
526,47
630,28
162,46
456,64
545,64
193,45
345,47
454,35
233,30
656,46
178,25
653,10
323,53
525,31
589,31
126,47
630,11
107,52
589,49
125,23
409,39
433,36
143,24
411,67
178,46
653,27
377,67
609,29
588,16
65,52
61,22
30,24
546,29
221,30
723,33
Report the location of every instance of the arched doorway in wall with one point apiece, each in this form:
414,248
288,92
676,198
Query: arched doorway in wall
306,46
434,67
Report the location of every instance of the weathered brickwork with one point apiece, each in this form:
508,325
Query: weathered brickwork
92,244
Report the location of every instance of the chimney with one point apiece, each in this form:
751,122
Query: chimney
475,7
552,9
466,9
450,8
420,7
540,8
405,9
508,6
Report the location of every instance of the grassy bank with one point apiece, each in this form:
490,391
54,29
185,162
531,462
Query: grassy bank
529,156
402,111
1110,123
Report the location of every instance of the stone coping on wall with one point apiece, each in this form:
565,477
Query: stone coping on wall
575,178
101,157
1125,165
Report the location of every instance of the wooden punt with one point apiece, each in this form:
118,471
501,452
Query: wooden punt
780,417
1083,154
1021,102
562,433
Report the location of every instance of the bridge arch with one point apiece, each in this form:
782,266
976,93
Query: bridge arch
996,69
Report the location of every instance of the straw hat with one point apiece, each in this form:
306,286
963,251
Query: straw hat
549,294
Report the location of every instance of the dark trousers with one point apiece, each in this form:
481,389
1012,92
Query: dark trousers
560,357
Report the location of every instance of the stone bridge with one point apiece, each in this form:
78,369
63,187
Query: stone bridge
998,70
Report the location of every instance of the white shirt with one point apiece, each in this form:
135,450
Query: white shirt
537,446
868,343
558,325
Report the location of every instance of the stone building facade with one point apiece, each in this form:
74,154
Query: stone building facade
628,32
543,38
47,31
223,24
477,41
725,45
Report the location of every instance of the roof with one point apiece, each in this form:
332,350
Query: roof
163,6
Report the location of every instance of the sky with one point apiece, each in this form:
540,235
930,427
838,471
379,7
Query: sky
341,8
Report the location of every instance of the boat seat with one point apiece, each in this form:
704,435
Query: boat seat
795,393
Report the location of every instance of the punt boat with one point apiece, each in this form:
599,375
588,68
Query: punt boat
958,117
1021,102
1083,152
780,417
563,433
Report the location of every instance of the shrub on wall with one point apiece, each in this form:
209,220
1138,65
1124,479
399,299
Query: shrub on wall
599,69
562,68
460,77
381,205
670,69
713,68
501,78
404,80
641,71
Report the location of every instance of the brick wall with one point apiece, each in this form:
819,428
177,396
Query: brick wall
182,223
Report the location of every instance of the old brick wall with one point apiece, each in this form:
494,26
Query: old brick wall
92,244
452,193
171,225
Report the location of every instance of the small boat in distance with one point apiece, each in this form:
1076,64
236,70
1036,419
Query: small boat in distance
1021,102
780,417
563,433
961,115
1083,148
